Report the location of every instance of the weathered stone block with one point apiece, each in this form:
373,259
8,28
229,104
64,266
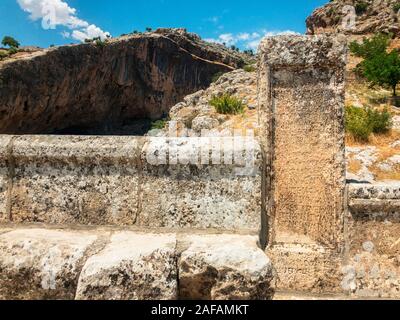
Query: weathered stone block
301,105
306,267
374,200
132,266
224,267
42,264
84,180
200,194
302,109
372,274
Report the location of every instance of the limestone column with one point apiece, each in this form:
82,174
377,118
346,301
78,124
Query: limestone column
301,108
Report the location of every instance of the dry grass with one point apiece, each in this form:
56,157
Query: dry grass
383,140
385,153
354,166
375,140
246,121
385,175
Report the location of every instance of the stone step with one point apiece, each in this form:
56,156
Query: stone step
41,262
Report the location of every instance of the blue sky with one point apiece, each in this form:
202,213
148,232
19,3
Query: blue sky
241,23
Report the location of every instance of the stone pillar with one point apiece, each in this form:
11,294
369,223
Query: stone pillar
301,99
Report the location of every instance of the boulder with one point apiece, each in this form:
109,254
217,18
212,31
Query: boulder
204,123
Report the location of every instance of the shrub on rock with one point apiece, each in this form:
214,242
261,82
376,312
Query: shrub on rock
227,104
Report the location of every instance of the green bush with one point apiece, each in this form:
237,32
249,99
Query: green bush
249,68
370,47
396,7
100,43
159,124
227,104
361,123
249,52
12,50
241,63
361,7
381,122
3,55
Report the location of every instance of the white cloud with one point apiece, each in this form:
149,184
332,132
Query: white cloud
213,19
54,13
247,36
89,32
246,40
243,36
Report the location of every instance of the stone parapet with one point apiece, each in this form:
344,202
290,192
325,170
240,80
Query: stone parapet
374,199
147,182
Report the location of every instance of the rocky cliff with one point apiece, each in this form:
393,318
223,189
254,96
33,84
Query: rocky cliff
106,87
371,16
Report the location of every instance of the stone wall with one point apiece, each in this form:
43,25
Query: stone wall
127,181
372,257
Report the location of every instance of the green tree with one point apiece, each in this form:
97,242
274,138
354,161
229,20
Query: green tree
379,66
10,41
369,48
383,70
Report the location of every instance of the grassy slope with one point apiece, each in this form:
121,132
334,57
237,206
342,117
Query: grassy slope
359,93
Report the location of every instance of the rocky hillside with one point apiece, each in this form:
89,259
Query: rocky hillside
105,87
371,16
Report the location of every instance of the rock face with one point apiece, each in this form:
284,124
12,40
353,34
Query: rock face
371,17
373,267
207,50
228,267
92,88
